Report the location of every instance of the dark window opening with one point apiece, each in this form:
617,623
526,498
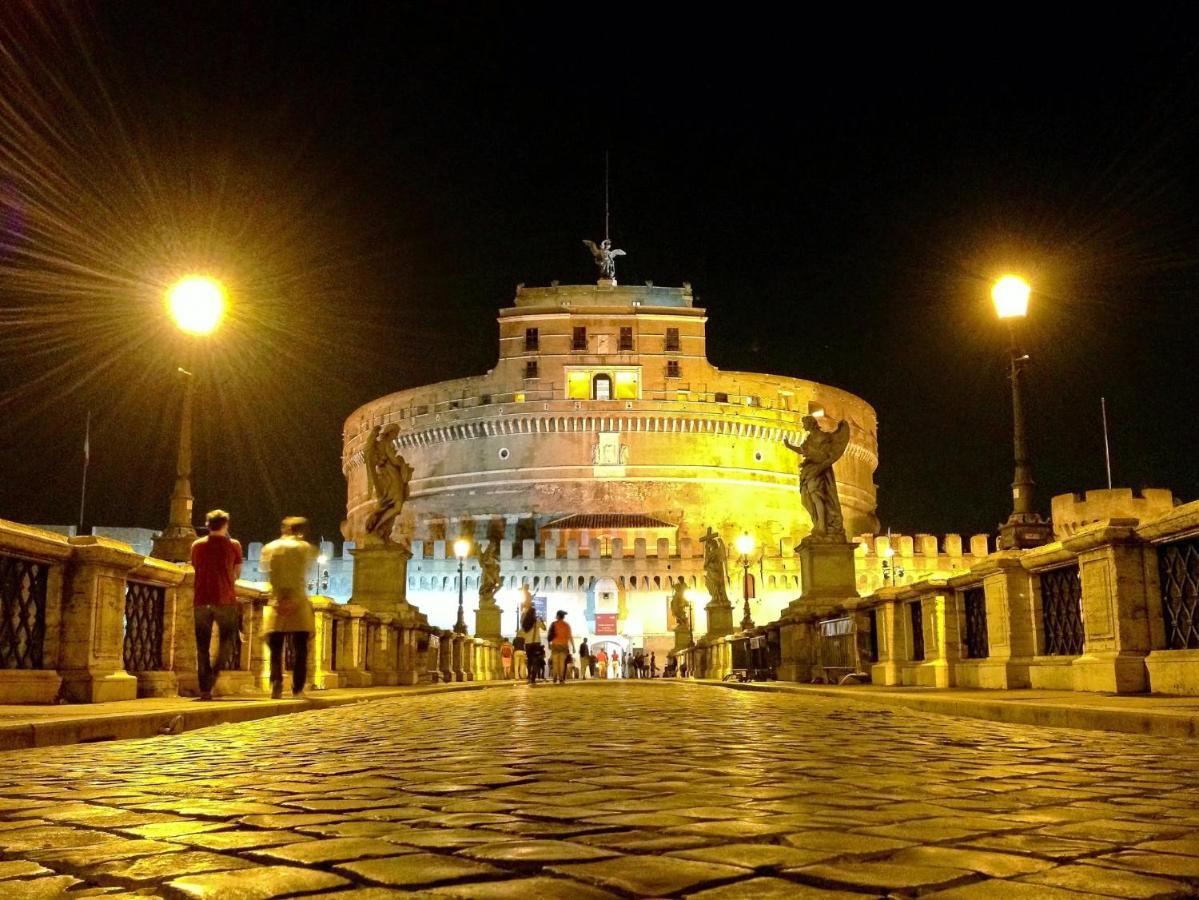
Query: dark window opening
626,339
672,339
531,339
579,339
720,397
531,369
672,368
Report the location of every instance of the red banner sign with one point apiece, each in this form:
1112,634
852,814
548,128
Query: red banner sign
605,623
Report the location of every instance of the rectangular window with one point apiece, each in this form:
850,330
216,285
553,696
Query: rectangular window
672,339
531,339
672,368
626,339
531,369
519,397
720,397
626,386
485,399
578,385
422,410
578,339
683,396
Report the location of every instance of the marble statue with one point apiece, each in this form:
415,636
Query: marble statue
716,573
489,580
388,475
817,485
605,257
678,606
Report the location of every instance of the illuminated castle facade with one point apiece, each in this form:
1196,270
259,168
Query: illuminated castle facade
597,451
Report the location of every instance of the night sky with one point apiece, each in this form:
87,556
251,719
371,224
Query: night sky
372,181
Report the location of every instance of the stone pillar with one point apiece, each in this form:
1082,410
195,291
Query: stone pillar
185,660
1010,636
352,631
942,643
384,651
459,657
446,655
892,650
93,622
381,578
1115,608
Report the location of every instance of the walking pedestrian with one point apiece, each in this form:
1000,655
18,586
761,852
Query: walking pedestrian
506,658
653,664
562,642
288,614
217,559
584,659
520,665
534,633
601,660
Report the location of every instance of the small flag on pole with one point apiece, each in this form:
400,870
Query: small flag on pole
87,455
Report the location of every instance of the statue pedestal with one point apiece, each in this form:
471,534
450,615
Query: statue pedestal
381,579
682,638
720,619
826,574
487,621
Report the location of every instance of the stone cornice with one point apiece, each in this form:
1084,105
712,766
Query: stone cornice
1112,531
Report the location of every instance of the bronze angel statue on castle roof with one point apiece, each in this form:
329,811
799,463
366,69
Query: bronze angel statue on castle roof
605,257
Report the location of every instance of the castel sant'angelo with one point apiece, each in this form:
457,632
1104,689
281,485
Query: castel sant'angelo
597,451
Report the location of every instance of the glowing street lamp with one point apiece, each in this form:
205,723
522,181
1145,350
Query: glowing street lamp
745,544
197,305
1024,527
462,551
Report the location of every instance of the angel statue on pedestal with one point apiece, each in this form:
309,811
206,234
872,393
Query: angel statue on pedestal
605,258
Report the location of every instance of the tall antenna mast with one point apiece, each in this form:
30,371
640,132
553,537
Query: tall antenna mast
1107,451
607,236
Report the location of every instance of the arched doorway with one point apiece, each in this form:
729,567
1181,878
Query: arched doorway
601,387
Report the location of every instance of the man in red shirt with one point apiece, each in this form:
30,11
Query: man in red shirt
217,560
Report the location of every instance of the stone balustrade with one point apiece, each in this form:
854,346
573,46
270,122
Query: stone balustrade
87,619
1112,607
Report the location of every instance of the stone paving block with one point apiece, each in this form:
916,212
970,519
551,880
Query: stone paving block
1116,831
217,809
290,820
260,883
240,839
102,852
999,889
21,868
644,841
735,829
844,843
161,866
996,865
754,856
163,830
52,887
1038,845
652,876
772,889
881,876
418,870
374,893
1166,864
932,830
524,889
1187,845
49,837
1107,880
328,851
536,852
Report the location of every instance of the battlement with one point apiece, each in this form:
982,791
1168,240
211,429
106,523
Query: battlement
602,295
925,545
1070,512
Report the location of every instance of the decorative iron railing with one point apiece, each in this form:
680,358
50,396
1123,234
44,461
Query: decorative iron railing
1178,571
974,604
144,605
1061,611
916,610
22,612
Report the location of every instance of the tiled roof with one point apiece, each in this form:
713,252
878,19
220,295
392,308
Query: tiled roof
604,521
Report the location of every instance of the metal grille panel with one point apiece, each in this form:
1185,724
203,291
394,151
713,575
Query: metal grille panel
1061,611
1178,569
144,605
22,612
917,612
974,602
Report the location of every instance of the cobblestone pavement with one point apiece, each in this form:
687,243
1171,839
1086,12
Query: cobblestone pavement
615,789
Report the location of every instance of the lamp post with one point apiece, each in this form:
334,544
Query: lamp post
462,551
891,569
1024,527
745,546
197,305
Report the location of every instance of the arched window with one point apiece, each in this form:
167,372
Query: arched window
601,387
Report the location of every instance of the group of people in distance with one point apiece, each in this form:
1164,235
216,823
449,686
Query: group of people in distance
524,657
217,559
